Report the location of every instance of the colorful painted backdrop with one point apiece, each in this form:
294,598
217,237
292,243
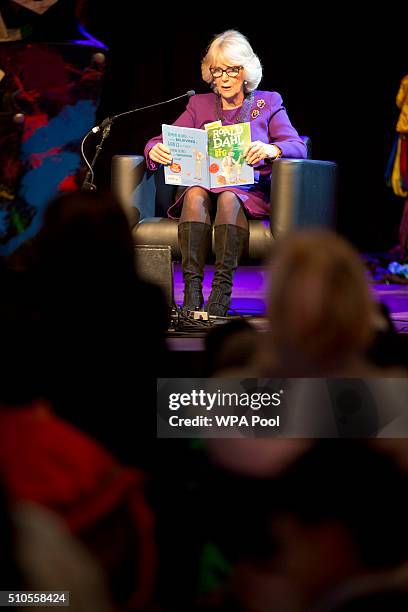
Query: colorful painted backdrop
53,89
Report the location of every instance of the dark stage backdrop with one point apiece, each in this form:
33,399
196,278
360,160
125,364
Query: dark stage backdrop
338,83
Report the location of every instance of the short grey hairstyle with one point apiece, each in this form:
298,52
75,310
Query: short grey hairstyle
232,48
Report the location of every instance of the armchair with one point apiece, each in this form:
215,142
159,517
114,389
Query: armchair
303,193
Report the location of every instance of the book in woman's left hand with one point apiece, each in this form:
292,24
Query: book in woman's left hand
211,158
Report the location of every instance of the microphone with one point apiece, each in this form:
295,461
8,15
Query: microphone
110,120
105,127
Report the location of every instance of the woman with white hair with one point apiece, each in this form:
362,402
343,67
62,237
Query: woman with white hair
233,71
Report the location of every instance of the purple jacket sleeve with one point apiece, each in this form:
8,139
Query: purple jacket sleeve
282,133
186,119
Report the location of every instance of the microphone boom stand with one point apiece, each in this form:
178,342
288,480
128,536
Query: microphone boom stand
105,126
88,184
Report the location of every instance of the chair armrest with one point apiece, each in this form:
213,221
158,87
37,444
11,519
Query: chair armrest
303,193
158,231
133,186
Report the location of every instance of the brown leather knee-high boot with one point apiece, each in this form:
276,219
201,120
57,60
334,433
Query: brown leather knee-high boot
230,242
195,240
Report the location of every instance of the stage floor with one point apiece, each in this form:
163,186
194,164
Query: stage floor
249,299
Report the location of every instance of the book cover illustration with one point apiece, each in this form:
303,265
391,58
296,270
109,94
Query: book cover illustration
188,147
212,158
226,146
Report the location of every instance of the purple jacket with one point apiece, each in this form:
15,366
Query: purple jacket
269,123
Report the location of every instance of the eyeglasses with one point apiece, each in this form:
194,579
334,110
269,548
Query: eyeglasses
231,71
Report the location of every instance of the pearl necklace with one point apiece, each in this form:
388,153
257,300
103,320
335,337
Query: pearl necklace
243,115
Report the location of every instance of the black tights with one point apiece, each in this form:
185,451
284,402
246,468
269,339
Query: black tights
198,203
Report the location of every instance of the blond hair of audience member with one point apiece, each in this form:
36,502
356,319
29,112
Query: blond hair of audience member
320,308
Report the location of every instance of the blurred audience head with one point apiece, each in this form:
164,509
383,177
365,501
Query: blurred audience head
229,346
102,327
86,240
337,513
320,307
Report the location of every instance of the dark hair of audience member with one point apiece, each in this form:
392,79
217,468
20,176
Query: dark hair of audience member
229,346
87,235
354,484
104,326
388,348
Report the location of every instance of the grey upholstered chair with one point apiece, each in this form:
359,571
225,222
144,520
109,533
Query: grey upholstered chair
303,193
